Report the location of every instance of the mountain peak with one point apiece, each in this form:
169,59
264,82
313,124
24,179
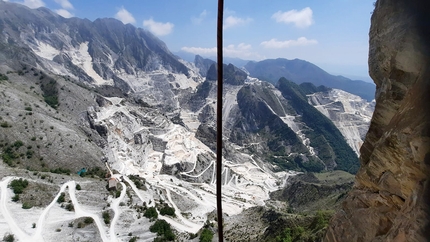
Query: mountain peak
300,71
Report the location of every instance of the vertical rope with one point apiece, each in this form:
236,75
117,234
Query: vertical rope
219,119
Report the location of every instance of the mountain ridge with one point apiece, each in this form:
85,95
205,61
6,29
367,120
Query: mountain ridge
300,71
126,104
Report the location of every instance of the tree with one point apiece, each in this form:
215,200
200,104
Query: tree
151,213
9,237
206,236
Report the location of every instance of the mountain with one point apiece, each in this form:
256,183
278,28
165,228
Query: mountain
102,52
300,71
350,113
83,100
203,64
227,60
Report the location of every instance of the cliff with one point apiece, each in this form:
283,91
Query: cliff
390,198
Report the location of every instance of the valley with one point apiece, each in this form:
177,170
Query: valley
116,138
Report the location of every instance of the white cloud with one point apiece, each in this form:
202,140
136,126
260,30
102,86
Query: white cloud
200,18
64,13
200,50
242,50
232,21
65,4
125,16
33,3
301,19
158,28
276,44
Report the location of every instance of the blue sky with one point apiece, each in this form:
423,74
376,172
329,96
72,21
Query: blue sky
332,34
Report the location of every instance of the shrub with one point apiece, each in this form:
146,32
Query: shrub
106,217
17,144
88,220
151,213
70,207
162,228
61,198
206,236
94,171
139,182
117,193
167,210
134,239
78,187
9,237
60,171
18,185
15,198
3,77
26,206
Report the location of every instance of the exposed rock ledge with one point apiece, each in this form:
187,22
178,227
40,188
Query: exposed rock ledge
390,198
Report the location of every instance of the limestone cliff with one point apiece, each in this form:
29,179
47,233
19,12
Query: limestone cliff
390,199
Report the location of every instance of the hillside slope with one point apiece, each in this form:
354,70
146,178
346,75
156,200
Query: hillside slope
300,71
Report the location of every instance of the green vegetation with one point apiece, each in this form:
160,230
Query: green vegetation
94,172
106,217
206,235
78,187
309,88
5,124
50,91
70,207
324,135
10,153
3,77
117,193
88,220
134,239
18,185
314,232
259,119
26,205
9,237
139,182
167,210
15,198
61,198
60,170
163,230
151,213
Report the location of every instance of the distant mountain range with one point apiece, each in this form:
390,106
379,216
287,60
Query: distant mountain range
79,93
300,71
296,70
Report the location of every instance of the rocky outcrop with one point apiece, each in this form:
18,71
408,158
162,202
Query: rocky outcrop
350,113
390,199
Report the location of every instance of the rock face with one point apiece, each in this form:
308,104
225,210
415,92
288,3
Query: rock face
350,113
390,199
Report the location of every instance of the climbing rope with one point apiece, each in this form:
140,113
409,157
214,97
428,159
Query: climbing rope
219,119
